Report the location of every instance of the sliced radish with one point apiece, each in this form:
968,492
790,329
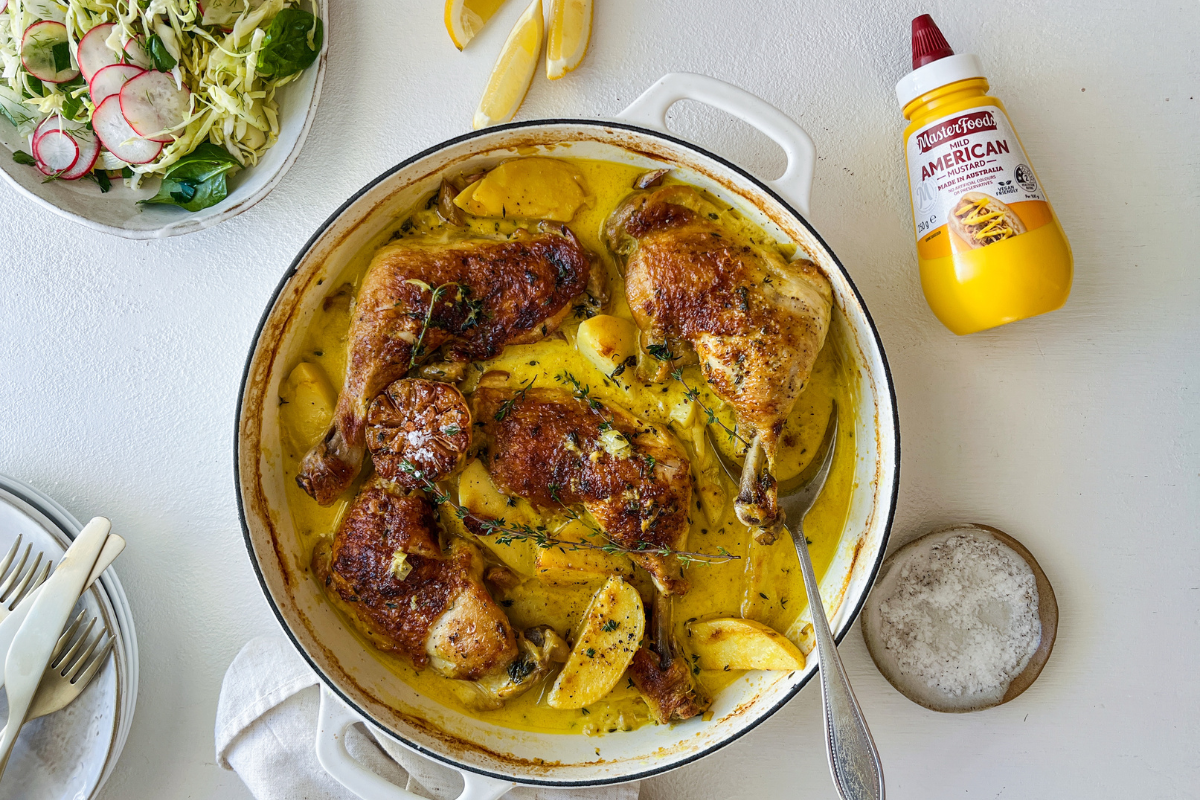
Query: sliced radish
3,6
108,80
46,53
94,54
116,135
89,151
135,53
152,104
54,122
55,151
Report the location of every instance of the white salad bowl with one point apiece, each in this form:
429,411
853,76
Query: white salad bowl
357,686
118,211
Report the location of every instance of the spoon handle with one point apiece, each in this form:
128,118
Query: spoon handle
853,758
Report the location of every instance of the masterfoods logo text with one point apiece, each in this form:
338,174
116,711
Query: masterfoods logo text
954,128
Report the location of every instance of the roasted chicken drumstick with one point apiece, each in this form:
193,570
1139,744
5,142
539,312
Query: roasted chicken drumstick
755,321
466,298
387,571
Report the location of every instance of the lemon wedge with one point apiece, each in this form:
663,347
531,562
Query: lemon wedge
570,33
465,18
527,188
514,69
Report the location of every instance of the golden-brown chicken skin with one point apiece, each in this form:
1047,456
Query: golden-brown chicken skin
465,298
418,426
755,321
439,612
670,693
552,449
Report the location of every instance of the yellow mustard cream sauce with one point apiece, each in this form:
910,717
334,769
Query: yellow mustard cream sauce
764,584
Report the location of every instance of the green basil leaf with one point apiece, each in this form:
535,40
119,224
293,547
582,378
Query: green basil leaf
197,180
160,55
35,86
285,49
21,157
101,177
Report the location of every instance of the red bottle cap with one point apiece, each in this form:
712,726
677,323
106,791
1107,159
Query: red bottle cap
928,44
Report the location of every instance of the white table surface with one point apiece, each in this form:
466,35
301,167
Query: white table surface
1078,432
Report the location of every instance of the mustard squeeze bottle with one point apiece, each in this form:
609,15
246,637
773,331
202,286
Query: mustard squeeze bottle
990,249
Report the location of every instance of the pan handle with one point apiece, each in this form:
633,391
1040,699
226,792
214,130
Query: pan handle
650,111
334,719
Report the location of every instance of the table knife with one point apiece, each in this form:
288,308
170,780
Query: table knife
34,643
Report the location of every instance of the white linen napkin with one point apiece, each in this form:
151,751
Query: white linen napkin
267,722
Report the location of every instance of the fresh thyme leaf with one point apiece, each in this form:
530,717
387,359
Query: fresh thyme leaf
661,352
21,157
508,404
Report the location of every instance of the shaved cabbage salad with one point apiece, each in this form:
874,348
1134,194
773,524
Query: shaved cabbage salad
182,90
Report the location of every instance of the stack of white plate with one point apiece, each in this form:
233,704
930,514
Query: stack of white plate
71,753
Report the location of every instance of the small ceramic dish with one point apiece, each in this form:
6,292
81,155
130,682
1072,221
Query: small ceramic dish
117,211
70,754
1046,613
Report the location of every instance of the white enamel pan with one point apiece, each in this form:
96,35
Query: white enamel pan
357,687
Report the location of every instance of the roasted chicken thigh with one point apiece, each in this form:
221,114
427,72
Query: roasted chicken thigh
465,298
556,450
755,321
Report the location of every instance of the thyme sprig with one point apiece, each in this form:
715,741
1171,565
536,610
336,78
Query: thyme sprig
710,416
663,353
507,533
507,406
462,296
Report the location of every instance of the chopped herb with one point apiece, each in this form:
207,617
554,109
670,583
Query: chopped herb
21,157
610,626
590,652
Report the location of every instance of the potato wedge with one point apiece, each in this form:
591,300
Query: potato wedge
562,566
607,342
528,188
308,399
610,633
478,495
742,644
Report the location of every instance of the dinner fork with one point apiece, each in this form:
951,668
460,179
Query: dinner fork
853,757
69,673
17,583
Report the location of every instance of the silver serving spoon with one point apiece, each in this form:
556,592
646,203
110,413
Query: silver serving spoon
853,758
